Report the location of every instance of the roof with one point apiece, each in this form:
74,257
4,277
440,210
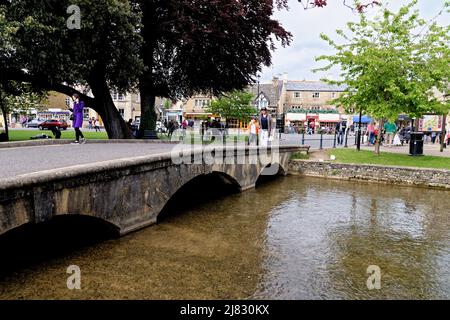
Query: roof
270,92
314,86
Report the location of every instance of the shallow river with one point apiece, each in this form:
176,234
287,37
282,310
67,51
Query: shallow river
294,238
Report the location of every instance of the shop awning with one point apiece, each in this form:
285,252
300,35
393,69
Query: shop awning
364,119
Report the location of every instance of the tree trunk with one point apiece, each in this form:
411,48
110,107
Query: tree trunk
103,104
115,125
444,131
380,135
5,119
148,113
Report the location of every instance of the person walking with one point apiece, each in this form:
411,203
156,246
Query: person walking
390,130
265,123
253,127
78,108
371,134
340,128
90,123
97,125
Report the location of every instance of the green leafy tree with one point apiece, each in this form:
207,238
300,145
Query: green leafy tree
102,56
392,64
209,46
19,98
233,105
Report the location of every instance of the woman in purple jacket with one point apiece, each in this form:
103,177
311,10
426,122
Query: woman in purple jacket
77,110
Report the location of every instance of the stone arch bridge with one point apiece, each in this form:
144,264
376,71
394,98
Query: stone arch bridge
130,193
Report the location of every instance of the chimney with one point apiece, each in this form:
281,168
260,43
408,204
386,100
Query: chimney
275,81
285,77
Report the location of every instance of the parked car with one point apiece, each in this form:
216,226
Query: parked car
33,123
61,124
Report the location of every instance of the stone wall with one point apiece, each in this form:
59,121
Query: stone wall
130,193
432,178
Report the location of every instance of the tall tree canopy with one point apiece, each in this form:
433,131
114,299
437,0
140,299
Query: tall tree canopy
103,55
165,48
392,64
204,46
234,105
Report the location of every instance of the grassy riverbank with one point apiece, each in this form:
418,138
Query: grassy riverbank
389,159
23,135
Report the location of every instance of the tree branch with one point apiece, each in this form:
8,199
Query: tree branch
42,83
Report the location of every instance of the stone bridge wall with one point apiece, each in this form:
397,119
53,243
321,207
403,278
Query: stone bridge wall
126,193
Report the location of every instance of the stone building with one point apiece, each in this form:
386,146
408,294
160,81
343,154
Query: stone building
194,108
268,95
308,104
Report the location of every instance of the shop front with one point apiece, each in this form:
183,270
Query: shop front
328,122
174,115
295,122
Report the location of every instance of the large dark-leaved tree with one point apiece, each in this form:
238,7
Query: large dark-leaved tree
213,46
103,55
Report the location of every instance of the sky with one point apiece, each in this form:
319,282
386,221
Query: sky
298,59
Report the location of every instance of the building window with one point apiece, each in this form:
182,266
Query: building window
68,100
118,97
86,113
333,95
262,103
316,95
122,113
297,94
201,103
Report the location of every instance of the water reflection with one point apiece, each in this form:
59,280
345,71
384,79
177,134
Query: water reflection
293,238
342,228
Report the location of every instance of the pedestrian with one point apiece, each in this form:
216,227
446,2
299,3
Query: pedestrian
402,134
90,123
340,128
253,127
78,108
184,126
371,134
390,129
97,125
433,137
265,124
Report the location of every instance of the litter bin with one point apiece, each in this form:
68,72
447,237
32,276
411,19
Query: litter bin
416,144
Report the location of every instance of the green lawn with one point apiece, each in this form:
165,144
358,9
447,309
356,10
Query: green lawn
21,135
299,156
390,159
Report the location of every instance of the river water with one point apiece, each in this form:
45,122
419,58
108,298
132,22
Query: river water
293,238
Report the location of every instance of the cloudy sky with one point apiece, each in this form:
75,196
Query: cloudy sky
306,25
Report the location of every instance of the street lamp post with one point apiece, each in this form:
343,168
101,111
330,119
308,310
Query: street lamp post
359,130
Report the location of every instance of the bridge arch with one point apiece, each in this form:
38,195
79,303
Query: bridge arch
31,242
200,188
269,173
129,194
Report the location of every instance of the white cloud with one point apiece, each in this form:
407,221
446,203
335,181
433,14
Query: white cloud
306,26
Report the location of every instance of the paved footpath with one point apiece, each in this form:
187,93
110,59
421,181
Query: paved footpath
25,160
